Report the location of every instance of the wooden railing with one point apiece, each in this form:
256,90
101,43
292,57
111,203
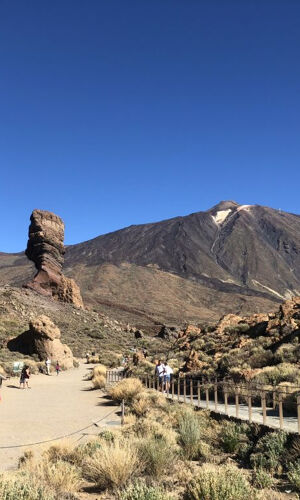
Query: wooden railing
273,406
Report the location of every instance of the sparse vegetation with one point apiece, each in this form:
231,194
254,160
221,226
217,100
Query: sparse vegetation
219,483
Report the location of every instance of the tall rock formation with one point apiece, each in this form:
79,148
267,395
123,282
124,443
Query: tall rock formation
46,249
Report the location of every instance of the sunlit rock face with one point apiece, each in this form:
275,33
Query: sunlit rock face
46,249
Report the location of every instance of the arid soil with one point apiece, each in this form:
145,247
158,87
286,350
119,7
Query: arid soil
54,406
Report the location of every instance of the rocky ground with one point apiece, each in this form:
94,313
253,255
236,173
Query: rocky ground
83,330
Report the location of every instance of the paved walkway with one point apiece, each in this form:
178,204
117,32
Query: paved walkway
290,424
53,407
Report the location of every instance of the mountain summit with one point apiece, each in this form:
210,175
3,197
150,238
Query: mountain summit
230,258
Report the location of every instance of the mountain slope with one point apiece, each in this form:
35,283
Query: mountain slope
231,258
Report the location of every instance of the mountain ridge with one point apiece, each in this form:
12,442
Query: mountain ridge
226,258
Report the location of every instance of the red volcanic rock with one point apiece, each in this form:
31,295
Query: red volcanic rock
46,249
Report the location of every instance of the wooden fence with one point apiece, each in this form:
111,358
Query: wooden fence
273,406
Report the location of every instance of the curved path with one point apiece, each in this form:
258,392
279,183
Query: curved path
54,406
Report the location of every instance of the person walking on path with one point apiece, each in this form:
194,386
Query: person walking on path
2,377
159,370
57,368
48,365
24,378
168,371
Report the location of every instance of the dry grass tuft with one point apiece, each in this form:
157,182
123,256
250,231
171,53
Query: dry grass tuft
99,382
112,465
128,389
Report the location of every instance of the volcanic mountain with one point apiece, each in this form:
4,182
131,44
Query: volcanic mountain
231,258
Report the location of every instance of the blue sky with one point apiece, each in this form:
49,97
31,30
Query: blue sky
123,112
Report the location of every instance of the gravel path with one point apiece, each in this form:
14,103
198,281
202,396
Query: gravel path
53,407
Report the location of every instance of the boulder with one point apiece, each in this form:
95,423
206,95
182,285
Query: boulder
192,362
46,249
228,321
43,339
138,357
168,332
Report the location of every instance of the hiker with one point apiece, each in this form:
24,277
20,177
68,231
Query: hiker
87,357
24,378
168,371
1,379
159,372
48,365
57,368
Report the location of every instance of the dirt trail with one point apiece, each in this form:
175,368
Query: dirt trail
53,407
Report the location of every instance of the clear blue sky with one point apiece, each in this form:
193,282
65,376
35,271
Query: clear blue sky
119,112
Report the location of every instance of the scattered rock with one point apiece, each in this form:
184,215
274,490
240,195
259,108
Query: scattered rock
138,357
138,334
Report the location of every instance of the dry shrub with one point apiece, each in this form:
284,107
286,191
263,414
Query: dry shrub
128,389
141,406
99,382
58,478
60,451
129,420
113,464
99,370
62,476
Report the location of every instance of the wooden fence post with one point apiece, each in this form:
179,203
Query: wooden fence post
207,396
250,407
122,412
280,410
237,403
274,399
198,392
298,413
178,388
216,396
184,389
192,391
263,405
172,384
226,399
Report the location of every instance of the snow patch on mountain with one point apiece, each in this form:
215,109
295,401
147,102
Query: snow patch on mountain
221,215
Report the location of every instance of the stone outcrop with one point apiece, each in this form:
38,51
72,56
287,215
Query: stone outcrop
43,339
46,249
192,362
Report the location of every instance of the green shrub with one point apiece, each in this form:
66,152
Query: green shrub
22,487
140,491
268,451
294,474
230,437
262,479
222,483
189,435
157,455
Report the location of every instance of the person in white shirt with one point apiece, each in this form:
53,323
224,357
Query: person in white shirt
167,376
159,370
48,365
